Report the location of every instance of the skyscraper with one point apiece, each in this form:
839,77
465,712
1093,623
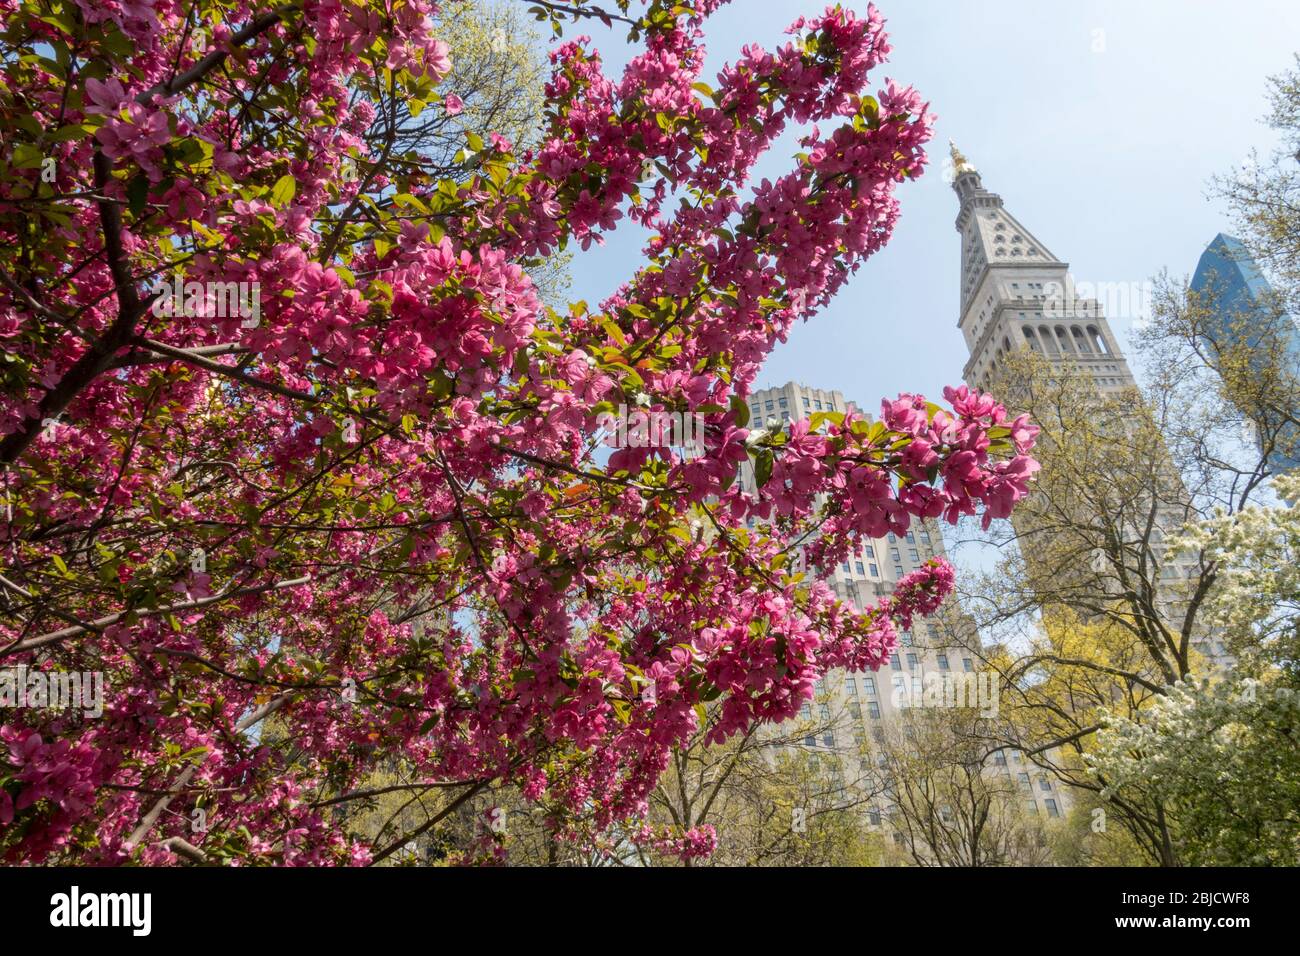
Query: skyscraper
1245,311
1015,293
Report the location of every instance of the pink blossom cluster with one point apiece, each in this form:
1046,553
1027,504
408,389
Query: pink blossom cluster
63,774
693,844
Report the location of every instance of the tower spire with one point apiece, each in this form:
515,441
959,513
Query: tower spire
960,164
992,238
1015,294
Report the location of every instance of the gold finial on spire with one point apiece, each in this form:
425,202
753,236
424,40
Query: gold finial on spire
960,164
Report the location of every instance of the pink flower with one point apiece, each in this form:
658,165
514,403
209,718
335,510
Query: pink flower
1024,434
919,457
137,137
968,402
437,59
107,97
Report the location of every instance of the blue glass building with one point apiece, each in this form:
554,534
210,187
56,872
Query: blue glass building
1246,309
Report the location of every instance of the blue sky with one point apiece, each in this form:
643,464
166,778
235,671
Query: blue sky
1104,155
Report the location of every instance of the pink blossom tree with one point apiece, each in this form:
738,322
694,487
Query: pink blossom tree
359,501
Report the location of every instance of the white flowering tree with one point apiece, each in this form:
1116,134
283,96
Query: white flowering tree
1257,599
1224,756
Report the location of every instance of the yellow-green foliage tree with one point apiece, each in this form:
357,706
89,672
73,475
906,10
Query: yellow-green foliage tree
772,799
1098,610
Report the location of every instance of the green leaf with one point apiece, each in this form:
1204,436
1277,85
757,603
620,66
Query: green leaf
740,411
75,131
819,418
63,23
622,710
137,194
283,191
413,202
763,463
615,332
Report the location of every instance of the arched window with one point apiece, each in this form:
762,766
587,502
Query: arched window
1046,335
1099,343
1031,339
1063,340
1080,343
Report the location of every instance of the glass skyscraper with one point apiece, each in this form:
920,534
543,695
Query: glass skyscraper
1245,310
